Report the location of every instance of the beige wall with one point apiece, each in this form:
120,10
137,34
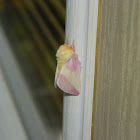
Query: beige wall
117,102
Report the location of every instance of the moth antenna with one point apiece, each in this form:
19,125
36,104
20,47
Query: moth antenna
73,45
67,42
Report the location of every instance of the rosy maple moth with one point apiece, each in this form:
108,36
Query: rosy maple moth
67,76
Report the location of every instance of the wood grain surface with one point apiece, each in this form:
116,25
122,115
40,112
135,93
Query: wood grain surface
117,103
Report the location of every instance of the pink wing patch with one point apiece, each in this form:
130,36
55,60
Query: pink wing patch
69,77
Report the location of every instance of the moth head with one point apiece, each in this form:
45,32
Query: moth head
64,53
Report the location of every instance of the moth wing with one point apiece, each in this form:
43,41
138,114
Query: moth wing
69,77
56,75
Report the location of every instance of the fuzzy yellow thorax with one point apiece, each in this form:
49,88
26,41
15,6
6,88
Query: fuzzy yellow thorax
64,53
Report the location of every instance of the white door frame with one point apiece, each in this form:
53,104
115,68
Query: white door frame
81,27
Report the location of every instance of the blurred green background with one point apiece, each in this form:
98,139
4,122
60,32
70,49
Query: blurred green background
35,30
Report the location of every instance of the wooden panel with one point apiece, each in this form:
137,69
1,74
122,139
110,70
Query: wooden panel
117,107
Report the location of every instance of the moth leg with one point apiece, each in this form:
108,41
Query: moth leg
55,85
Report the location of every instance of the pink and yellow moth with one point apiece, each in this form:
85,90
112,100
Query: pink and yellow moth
67,76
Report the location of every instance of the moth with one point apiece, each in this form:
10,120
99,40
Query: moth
67,76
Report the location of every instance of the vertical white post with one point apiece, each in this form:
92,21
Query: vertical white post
90,68
81,26
76,30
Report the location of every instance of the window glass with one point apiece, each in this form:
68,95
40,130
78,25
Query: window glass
35,29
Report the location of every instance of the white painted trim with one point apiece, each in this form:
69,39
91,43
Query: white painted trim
90,68
76,30
81,26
